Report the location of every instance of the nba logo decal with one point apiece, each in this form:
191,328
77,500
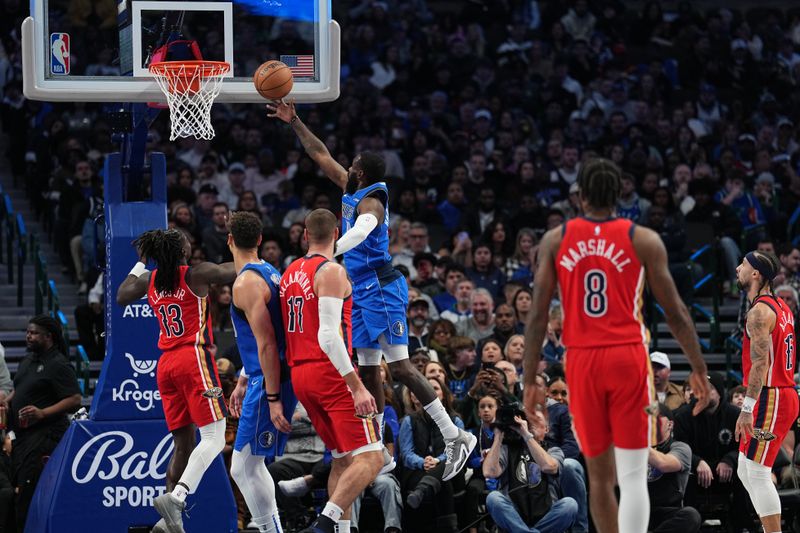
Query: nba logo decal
59,54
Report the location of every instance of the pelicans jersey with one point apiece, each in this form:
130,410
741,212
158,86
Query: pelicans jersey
601,280
776,407
187,373
317,383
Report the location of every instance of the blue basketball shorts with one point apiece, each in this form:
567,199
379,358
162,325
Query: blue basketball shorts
380,300
255,425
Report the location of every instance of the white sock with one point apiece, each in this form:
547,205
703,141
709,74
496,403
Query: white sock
254,480
332,511
294,488
343,526
442,419
273,526
180,492
634,500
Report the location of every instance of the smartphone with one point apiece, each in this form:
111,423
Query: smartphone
487,366
462,236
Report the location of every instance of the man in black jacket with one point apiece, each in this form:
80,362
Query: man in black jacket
45,390
714,454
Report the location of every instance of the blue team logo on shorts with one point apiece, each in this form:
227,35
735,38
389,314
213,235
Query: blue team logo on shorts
266,439
398,328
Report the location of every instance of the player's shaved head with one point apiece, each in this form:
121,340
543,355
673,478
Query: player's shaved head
320,225
245,228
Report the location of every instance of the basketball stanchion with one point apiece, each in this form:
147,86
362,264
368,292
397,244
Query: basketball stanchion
190,88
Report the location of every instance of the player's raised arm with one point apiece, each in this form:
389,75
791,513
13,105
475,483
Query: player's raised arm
251,294
370,216
315,148
536,329
134,286
653,256
332,287
212,273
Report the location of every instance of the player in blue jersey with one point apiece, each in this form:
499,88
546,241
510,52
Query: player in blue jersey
263,398
380,293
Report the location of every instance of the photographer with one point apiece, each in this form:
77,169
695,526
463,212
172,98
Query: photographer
527,498
668,469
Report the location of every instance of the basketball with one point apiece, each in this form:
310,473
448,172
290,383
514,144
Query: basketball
273,80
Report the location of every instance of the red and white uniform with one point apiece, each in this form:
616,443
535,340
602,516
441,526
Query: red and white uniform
317,383
777,405
187,374
608,368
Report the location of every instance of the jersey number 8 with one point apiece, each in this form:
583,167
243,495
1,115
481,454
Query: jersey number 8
595,303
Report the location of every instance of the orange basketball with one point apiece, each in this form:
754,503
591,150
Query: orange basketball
273,80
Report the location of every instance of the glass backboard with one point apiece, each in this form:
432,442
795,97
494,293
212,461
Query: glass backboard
99,50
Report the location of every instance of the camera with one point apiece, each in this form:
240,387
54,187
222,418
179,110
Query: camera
504,418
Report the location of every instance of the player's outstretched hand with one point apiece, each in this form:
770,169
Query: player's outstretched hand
365,403
700,387
278,420
282,110
237,397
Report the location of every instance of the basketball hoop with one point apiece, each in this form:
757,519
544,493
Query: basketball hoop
190,88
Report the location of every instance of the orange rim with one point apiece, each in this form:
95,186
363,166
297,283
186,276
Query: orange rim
172,69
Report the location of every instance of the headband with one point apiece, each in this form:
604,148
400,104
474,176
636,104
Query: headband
763,267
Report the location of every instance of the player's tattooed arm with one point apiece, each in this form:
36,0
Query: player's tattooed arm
314,147
760,321
536,329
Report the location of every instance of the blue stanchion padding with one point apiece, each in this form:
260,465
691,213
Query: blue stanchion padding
127,388
103,477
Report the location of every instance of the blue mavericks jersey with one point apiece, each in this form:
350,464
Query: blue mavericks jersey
373,253
245,339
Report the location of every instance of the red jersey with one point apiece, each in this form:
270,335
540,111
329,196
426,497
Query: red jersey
300,308
602,284
183,317
780,372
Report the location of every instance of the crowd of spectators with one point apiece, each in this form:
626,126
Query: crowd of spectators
484,112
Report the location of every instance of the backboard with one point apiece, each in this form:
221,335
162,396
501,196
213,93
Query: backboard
99,50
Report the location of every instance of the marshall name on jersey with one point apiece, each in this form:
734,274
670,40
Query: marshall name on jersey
575,253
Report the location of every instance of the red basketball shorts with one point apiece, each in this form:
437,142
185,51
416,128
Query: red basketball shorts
190,388
774,414
611,390
329,404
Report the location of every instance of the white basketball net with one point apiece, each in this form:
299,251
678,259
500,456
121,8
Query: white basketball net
190,88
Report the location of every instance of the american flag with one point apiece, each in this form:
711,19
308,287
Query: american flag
301,66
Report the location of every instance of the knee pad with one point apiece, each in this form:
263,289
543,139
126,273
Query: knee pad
369,357
763,492
393,352
213,435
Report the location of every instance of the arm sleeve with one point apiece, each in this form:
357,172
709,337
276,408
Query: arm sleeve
406,441
331,342
363,227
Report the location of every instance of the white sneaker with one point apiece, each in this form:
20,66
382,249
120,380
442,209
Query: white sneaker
457,452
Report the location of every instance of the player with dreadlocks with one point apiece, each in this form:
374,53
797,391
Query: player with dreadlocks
771,404
600,263
187,375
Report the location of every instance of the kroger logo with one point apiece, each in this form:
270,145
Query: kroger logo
110,457
129,390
